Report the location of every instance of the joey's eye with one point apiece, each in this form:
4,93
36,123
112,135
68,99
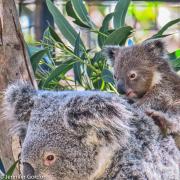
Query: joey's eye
49,159
132,76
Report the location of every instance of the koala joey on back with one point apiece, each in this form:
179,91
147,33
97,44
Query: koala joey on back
143,73
89,135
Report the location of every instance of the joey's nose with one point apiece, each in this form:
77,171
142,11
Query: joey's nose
121,87
130,93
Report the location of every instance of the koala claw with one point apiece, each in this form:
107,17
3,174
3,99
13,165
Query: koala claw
161,121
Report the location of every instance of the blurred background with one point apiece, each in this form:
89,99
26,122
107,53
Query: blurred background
147,17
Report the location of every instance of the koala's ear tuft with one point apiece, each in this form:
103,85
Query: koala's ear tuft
18,100
156,46
110,53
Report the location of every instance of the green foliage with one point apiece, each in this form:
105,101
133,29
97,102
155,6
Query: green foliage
81,12
9,173
70,12
145,14
104,30
66,29
160,33
120,13
175,59
59,57
35,58
119,36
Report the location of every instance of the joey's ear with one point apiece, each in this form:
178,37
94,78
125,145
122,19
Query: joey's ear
156,46
110,53
18,101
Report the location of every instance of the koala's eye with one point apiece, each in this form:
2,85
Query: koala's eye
132,76
49,159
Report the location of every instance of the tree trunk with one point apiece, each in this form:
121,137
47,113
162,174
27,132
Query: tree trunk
14,64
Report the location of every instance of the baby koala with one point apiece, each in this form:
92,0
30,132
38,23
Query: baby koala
143,73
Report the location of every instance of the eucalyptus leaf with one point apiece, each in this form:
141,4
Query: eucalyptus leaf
70,12
159,36
107,20
165,27
9,173
104,29
77,65
48,42
81,12
97,83
98,57
119,36
120,13
174,55
66,29
54,35
62,69
35,58
89,72
107,76
176,64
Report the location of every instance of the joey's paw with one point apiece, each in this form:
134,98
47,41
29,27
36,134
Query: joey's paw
161,121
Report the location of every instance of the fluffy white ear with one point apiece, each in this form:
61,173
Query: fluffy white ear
110,53
157,46
18,101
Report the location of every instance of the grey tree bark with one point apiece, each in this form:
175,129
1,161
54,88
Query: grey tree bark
14,64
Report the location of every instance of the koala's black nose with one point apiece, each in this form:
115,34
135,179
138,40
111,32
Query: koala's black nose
121,87
28,171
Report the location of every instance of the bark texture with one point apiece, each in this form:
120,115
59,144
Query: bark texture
14,64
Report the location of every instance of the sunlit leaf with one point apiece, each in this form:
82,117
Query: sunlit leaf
177,52
174,55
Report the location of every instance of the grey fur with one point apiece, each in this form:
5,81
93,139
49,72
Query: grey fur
157,86
93,135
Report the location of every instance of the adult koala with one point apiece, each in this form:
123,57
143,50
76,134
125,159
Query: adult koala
87,135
